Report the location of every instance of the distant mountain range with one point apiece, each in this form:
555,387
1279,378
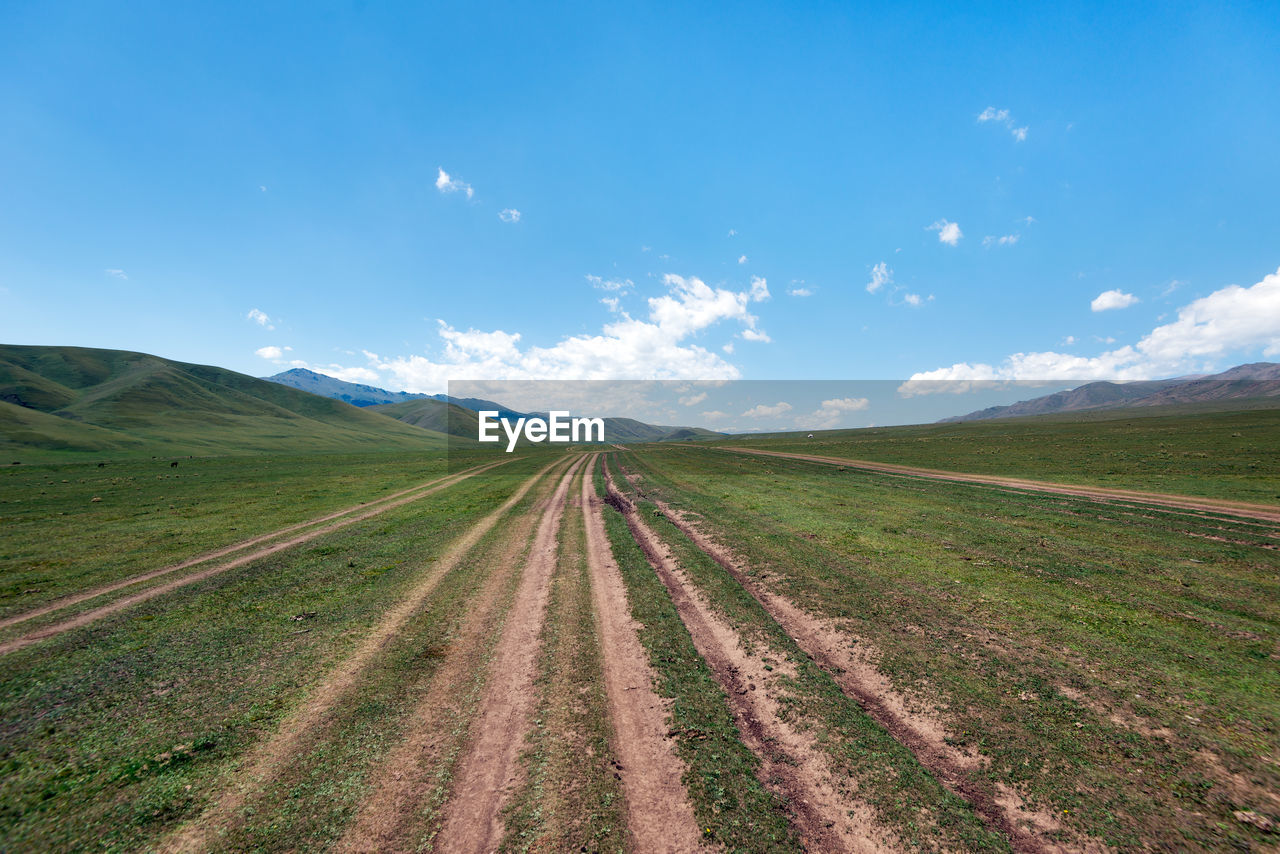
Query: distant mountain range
1256,380
116,401
457,416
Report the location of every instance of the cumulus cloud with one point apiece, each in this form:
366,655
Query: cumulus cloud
1109,300
269,352
881,275
693,399
1233,319
948,231
260,318
765,411
657,347
991,114
508,214
755,335
915,300
830,412
742,259
445,184
115,273
799,291
1006,240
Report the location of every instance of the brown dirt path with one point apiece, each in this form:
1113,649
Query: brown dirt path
408,782
852,668
659,814
1242,509
489,771
827,816
264,761
94,614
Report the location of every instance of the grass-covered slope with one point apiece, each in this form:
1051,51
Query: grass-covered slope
80,399
431,414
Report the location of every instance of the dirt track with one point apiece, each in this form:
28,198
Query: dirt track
371,509
489,771
922,734
1241,509
826,815
266,760
659,815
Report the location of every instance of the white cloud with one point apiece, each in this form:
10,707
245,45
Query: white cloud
260,318
881,275
948,231
715,415
799,292
755,335
509,215
915,300
763,411
269,352
445,184
1069,341
693,399
1230,320
1109,300
115,273
1006,240
732,232
626,348
829,413
991,114
742,259
728,348
622,286
610,302
759,289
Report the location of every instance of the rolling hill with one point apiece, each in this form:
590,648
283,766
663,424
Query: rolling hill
81,399
1244,382
355,394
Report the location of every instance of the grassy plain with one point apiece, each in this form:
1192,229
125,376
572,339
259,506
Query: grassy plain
117,732
1189,450
1116,666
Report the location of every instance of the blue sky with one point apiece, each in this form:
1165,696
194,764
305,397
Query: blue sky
342,170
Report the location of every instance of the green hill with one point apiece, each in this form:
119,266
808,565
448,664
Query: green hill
431,414
81,399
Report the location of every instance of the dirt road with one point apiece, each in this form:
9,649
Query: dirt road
87,617
659,815
488,773
1241,509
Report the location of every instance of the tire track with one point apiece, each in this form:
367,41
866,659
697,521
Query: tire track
76,598
266,760
488,771
659,815
407,781
825,817
1004,810
98,613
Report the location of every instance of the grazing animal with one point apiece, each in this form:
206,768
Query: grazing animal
173,465
810,436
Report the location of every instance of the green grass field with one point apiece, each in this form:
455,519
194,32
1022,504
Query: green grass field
1108,669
